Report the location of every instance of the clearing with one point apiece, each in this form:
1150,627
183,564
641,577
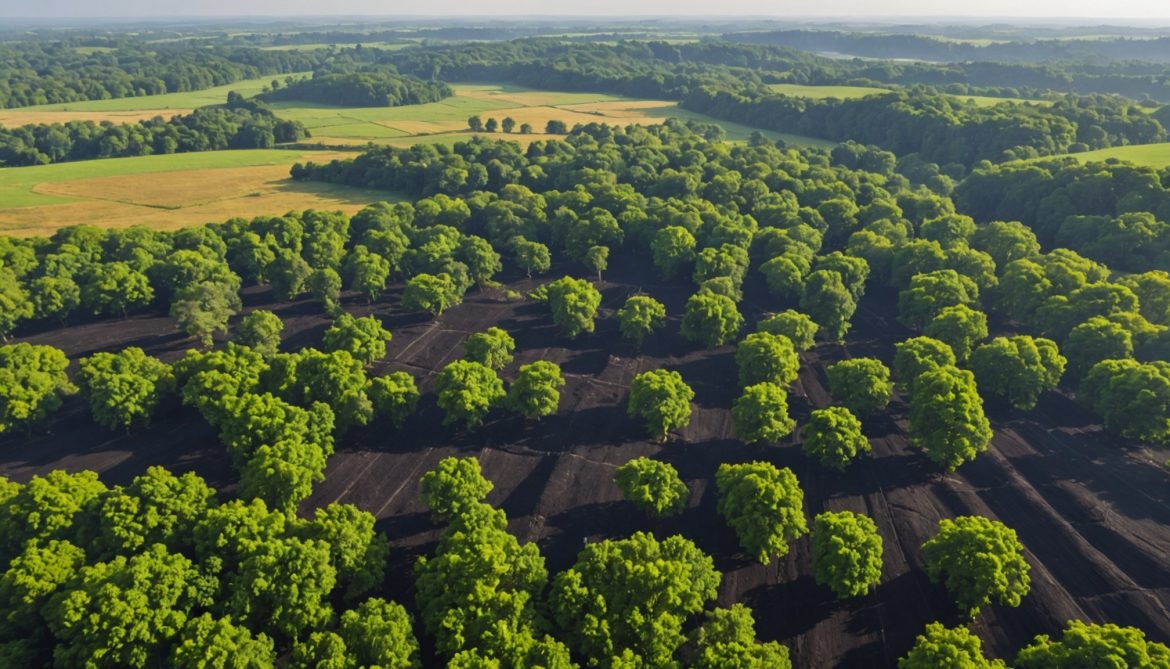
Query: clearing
1151,155
855,92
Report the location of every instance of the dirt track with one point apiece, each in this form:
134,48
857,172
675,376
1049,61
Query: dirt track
1092,512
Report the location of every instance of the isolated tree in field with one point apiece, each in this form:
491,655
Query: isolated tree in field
124,388
260,330
661,401
367,272
653,486
959,327
289,275
555,127
325,285
632,597
800,329
394,395
861,384
536,392
928,294
1095,340
475,123
727,638
467,391
114,289
640,316
946,417
453,488
941,646
846,553
828,301
205,641
1084,645
52,297
978,560
492,347
364,338
532,256
919,355
33,383
833,436
764,505
508,124
761,414
525,128
673,248
574,305
711,319
766,358
432,293
481,259
597,260
1132,397
1018,368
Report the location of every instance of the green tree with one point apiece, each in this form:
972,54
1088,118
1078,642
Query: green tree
206,642
800,329
1095,340
124,388
640,316
467,391
358,551
51,296
785,275
281,585
928,294
45,508
632,595
763,357
378,634
574,305
597,260
1018,368
536,392
1086,645
282,473
826,299
492,348
525,128
761,414
454,488
764,505
946,417
481,259
205,308
491,125
321,650
861,384
260,331
673,248
978,560
833,436
368,272
1133,398
115,289
727,640
475,123
156,508
711,319
431,293
846,553
15,304
661,401
654,487
325,285
940,646
532,256
38,571
33,383
508,124
959,327
394,395
335,379
289,275
1006,242
918,355
555,127
363,338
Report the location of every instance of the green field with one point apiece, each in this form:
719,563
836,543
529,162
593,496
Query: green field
385,46
1152,155
185,100
824,92
986,101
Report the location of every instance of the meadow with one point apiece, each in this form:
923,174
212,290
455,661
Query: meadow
854,92
1151,155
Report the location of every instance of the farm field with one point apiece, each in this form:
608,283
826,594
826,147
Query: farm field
1152,155
1093,513
165,192
854,92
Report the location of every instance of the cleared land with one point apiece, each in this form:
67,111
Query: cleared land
1092,511
1152,155
165,191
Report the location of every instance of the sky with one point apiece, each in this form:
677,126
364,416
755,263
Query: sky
1132,9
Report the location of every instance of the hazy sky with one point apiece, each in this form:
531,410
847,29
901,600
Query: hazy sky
1158,9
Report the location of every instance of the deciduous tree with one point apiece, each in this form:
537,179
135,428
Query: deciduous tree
861,384
431,293
941,646
846,553
764,505
536,392
574,305
727,639
1087,645
919,355
800,329
763,357
946,417
959,327
1018,368
661,401
492,347
363,338
394,395
260,330
672,248
467,391
833,436
640,316
33,383
205,308
828,301
978,560
761,414
711,319
653,486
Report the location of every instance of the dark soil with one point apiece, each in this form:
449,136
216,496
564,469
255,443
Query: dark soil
1092,511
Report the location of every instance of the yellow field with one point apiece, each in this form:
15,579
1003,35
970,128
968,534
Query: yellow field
15,117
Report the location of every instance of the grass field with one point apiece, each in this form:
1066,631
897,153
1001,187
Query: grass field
823,92
166,192
1152,155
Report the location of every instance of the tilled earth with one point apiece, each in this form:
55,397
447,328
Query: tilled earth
1092,511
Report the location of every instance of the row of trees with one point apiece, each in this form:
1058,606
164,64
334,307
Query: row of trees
366,87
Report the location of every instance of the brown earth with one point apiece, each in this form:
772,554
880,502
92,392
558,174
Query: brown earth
1092,511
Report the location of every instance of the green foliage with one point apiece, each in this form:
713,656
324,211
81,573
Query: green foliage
711,319
45,508
321,650
941,646
32,577
260,330
358,552
1018,368
727,640
946,417
481,259
846,553
156,508
33,384
978,560
763,357
1006,242
785,275
51,297
281,585
205,308
454,488
632,594
861,384
368,272
289,275
364,338
919,355
282,473
335,379
467,391
431,293
574,305
597,259
1095,340
800,329
536,392
673,248
218,643
761,414
1087,645
653,486
959,327
394,395
764,505
114,289
1132,397
829,302
15,304
325,285
532,256
928,294
123,389
491,348
833,436
378,634
661,400
640,316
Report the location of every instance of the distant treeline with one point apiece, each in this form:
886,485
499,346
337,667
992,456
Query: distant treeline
243,125
367,88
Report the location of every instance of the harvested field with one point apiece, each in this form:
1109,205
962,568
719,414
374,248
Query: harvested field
1092,511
